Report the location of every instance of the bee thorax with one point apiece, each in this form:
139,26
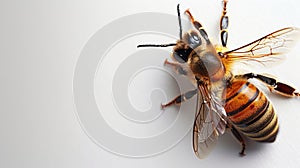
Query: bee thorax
207,65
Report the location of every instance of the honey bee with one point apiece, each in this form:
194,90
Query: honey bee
226,100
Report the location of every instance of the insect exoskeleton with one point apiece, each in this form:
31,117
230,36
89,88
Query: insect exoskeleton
250,111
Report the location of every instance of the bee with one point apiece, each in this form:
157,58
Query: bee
226,100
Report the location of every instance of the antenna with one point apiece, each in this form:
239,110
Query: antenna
156,45
170,44
179,21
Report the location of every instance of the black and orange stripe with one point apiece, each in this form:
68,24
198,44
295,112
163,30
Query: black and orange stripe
251,112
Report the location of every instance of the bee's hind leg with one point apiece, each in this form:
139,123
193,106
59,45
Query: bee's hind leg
273,85
239,138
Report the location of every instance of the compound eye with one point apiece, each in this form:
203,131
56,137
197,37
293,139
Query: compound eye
194,40
182,55
178,55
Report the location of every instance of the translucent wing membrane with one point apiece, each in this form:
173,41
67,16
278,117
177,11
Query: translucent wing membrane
209,122
267,50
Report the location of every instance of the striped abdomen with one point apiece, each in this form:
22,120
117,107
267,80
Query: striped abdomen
251,112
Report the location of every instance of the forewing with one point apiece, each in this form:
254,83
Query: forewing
208,124
267,50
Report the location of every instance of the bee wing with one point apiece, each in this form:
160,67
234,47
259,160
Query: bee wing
209,122
267,50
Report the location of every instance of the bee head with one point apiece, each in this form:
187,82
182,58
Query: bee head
189,42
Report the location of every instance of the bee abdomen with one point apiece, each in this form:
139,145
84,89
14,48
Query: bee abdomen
251,112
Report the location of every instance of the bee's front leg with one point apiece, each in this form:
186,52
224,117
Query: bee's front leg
176,66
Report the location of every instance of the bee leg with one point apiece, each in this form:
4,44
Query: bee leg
198,26
224,21
181,98
238,137
274,85
176,66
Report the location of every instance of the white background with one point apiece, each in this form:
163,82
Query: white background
40,42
